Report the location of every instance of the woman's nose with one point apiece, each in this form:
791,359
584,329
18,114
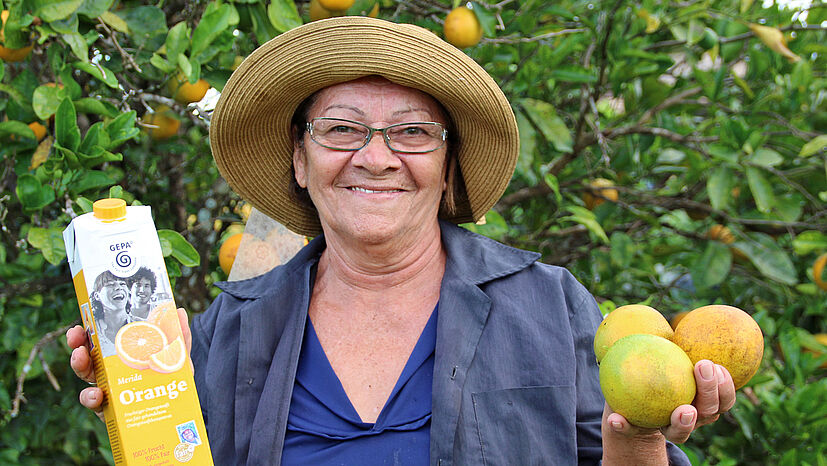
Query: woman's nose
376,156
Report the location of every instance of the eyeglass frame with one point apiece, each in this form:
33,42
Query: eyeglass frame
384,131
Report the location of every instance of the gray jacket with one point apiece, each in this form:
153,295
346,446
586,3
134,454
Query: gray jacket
515,379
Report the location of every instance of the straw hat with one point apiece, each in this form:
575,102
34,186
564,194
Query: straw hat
250,131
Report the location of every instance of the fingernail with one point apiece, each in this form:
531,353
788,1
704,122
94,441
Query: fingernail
93,396
687,419
720,371
616,425
707,371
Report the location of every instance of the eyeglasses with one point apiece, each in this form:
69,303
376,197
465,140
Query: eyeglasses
417,137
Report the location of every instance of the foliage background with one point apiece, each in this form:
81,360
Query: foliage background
697,116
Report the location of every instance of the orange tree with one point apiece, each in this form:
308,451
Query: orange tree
705,123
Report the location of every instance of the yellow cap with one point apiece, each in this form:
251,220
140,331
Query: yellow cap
109,209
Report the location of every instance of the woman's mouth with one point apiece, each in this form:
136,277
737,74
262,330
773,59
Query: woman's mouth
374,191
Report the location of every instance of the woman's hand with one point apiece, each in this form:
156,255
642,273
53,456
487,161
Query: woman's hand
81,362
715,395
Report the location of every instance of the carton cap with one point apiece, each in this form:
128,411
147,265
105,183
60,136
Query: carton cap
109,209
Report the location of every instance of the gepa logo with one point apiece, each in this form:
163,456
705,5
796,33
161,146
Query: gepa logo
123,263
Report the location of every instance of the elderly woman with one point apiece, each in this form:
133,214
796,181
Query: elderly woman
395,336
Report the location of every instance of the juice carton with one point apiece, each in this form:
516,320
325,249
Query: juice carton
141,363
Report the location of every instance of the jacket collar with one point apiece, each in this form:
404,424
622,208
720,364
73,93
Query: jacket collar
475,258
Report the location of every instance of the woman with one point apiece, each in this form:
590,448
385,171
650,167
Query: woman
110,302
396,337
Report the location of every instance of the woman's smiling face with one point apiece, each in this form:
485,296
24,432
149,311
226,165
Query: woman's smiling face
114,295
374,193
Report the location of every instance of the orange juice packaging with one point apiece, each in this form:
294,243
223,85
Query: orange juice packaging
150,405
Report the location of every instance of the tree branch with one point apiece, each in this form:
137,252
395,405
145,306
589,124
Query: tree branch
21,379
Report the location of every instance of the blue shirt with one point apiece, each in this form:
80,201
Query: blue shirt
323,428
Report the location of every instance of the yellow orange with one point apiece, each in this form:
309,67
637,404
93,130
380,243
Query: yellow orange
720,233
170,359
228,251
184,93
818,268
629,320
462,28
38,129
165,316
137,341
7,54
725,335
602,187
333,5
317,11
162,124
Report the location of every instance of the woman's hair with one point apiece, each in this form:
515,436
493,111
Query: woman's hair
103,278
144,273
455,186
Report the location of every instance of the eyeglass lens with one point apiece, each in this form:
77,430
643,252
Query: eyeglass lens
416,137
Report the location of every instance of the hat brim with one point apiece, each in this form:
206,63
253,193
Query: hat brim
250,132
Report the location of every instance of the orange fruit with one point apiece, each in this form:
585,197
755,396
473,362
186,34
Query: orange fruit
38,129
228,251
162,124
184,93
676,319
601,186
137,341
462,28
818,268
720,233
725,335
317,11
7,54
165,316
629,320
334,5
170,359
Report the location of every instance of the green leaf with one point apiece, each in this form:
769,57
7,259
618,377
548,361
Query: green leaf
78,45
32,194
283,15
262,28
528,144
91,179
212,24
772,261
94,8
545,118
115,22
574,74
177,41
711,267
46,100
766,157
809,241
15,128
554,184
161,63
122,129
761,189
100,72
96,106
487,20
53,10
814,146
68,25
587,218
67,133
50,242
719,187
144,22
172,243
622,249
723,152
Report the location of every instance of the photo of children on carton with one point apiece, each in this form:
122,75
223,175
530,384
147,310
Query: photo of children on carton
117,301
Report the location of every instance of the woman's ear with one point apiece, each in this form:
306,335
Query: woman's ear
299,163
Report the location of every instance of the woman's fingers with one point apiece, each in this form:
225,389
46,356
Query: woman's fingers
682,423
92,398
80,361
183,319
